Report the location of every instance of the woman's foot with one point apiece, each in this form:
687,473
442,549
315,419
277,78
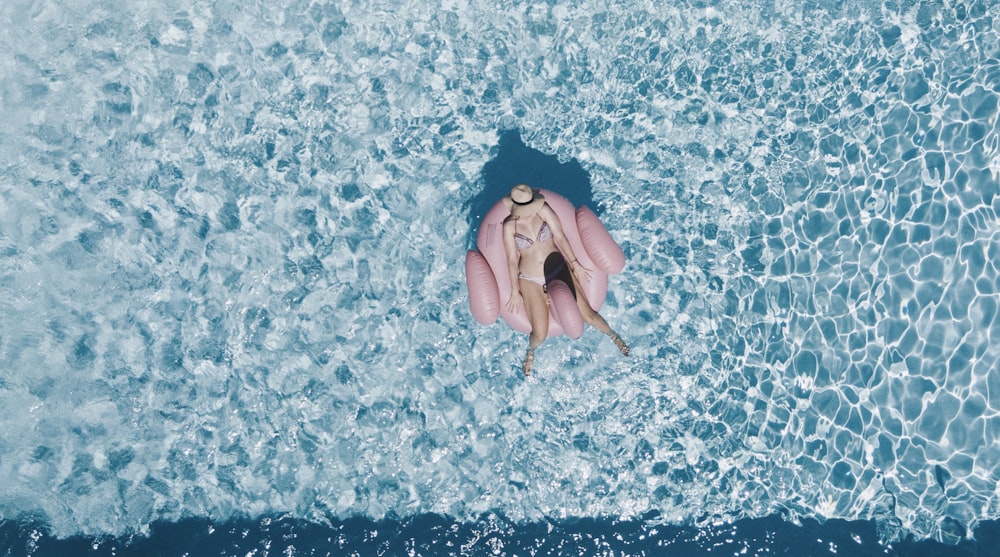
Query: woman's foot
619,343
529,362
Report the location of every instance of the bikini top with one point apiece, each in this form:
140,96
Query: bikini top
522,241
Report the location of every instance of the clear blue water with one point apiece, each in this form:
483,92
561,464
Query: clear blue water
231,290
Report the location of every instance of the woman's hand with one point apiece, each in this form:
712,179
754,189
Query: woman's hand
582,273
515,301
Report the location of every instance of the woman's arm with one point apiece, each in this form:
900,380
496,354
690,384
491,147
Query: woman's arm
513,264
552,219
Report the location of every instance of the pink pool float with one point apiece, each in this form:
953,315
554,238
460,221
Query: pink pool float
486,269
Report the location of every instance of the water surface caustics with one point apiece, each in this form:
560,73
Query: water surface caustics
230,242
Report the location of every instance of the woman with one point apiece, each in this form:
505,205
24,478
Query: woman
537,253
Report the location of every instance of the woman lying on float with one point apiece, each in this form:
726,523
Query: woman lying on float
545,266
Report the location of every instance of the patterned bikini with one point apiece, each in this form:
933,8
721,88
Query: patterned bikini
522,242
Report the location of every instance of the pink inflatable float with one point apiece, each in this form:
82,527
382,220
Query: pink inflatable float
486,269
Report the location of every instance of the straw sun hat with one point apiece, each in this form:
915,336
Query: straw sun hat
523,201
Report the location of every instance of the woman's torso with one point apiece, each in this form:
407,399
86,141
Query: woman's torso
533,238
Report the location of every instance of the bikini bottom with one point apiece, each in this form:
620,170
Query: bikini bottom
544,280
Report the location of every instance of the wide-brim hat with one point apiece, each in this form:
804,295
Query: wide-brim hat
523,201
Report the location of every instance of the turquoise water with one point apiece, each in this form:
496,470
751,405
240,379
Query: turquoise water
232,239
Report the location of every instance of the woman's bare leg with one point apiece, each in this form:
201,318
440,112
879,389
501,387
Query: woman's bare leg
537,307
595,320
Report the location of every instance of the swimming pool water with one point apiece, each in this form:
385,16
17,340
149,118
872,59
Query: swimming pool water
231,244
